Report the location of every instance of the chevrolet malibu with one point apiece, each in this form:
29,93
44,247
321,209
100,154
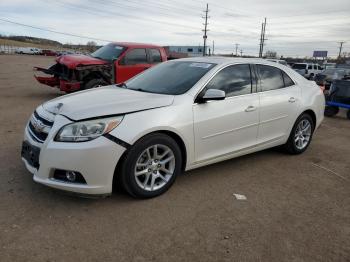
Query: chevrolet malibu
176,116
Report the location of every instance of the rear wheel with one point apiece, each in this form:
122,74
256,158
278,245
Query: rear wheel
93,83
301,135
331,111
151,166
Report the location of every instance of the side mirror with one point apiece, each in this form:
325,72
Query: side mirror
212,94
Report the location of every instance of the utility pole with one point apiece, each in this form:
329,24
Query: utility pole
340,48
241,51
236,48
262,38
205,29
213,49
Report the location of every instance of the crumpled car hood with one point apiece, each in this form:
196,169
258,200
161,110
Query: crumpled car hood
72,61
105,101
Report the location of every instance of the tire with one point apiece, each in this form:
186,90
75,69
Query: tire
93,83
148,183
297,144
331,111
348,114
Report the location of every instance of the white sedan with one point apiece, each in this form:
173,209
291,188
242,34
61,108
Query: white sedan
176,116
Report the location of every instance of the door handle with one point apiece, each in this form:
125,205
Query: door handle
250,109
292,100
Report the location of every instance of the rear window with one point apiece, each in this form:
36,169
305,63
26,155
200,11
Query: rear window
299,66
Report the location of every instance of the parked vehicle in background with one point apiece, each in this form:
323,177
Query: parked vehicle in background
307,70
326,77
112,63
28,51
279,61
338,97
329,65
48,52
65,53
179,115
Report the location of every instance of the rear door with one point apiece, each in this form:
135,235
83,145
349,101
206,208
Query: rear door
279,103
225,126
155,56
134,62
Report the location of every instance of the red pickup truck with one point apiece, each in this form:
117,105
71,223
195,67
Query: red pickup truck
112,63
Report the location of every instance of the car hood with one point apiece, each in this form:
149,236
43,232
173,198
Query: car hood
105,101
72,61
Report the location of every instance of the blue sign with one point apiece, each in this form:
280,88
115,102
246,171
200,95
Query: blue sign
320,53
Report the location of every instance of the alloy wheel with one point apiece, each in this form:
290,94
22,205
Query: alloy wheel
154,167
302,134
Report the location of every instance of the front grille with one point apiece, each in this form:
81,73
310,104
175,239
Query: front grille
39,127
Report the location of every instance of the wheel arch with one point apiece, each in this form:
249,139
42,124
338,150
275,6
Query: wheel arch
169,133
312,114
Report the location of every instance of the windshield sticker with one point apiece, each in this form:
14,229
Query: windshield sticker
118,47
201,65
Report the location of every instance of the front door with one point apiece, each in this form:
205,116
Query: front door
132,63
226,126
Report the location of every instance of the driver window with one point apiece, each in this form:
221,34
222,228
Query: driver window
235,80
135,56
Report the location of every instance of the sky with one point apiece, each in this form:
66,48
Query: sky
294,27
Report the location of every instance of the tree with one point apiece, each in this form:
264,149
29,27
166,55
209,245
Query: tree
91,46
271,54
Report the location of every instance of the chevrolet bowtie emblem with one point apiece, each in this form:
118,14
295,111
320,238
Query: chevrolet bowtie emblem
37,124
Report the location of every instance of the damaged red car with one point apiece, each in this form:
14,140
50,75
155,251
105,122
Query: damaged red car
113,63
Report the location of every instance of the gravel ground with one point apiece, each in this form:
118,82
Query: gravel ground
297,207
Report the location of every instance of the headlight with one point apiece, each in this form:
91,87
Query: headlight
87,130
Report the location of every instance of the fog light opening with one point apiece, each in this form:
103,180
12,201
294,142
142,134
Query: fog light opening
71,176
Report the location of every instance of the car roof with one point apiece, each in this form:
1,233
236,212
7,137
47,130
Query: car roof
132,44
227,60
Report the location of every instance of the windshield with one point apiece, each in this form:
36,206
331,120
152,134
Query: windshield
299,66
108,52
170,78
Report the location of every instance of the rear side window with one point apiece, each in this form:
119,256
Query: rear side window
234,80
309,67
287,80
270,77
136,56
155,56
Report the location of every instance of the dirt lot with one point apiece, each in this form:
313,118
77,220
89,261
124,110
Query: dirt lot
297,207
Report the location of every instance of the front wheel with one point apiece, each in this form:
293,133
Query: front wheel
151,166
301,135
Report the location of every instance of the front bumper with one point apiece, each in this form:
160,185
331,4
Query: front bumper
63,85
96,160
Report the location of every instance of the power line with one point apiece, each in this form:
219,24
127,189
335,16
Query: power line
54,31
206,11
